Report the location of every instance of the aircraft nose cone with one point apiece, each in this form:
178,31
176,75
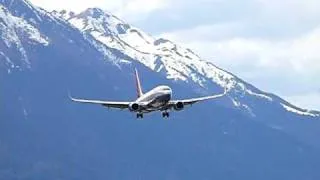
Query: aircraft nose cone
169,91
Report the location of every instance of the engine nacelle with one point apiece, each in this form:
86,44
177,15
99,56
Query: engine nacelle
134,107
178,106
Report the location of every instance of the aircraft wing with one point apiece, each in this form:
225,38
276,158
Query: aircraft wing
195,100
110,104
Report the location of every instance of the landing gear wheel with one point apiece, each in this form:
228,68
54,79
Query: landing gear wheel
165,114
139,115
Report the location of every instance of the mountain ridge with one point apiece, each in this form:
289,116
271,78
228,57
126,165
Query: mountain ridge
95,23
101,24
43,135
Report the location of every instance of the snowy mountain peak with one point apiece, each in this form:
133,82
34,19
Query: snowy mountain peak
22,8
21,28
17,34
158,54
176,62
97,20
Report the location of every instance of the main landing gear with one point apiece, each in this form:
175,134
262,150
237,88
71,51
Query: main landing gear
139,115
165,114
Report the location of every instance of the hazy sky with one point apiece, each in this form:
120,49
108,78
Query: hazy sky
275,45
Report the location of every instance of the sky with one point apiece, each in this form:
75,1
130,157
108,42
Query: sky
272,44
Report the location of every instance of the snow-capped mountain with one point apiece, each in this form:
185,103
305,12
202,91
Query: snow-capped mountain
248,134
12,29
162,55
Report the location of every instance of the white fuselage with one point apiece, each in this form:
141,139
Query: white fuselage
156,98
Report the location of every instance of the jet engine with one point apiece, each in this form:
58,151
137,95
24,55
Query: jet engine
134,107
178,106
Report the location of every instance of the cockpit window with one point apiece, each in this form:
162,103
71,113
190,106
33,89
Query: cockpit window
165,88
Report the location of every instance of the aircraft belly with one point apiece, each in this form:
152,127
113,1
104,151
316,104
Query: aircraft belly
158,102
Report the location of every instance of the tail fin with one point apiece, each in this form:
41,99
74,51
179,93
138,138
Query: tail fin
138,84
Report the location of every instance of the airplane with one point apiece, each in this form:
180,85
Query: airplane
157,99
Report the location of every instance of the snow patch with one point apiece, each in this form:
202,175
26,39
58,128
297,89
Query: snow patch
236,103
125,61
296,111
25,112
248,109
14,25
275,127
12,28
7,60
244,107
179,63
259,95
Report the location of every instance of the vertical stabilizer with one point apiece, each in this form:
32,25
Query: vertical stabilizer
138,84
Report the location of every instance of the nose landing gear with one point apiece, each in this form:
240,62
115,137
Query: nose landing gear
165,114
139,115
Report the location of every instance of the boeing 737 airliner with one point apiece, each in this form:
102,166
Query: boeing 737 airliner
157,99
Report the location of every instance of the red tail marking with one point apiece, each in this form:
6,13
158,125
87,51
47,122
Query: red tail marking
138,84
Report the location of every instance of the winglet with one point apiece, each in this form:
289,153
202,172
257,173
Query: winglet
226,90
69,95
224,93
138,84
